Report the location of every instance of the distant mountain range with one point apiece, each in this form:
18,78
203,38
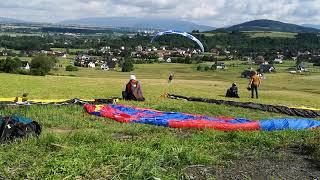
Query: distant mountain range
166,24
312,26
147,23
10,20
270,25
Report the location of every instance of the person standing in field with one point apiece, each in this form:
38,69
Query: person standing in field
254,84
170,78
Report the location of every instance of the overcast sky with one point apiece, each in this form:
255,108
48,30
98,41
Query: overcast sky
215,13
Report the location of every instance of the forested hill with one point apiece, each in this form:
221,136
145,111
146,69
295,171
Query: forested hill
270,25
236,40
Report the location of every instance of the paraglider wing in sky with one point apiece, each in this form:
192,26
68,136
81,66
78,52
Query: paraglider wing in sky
179,33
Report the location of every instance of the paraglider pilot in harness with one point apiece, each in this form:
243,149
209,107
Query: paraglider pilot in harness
133,90
233,91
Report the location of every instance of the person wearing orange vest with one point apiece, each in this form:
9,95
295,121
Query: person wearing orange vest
254,83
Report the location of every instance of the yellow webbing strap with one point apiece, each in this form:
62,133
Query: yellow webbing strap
306,108
41,100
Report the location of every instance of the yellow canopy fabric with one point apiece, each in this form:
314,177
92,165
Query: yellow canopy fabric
307,108
7,99
41,100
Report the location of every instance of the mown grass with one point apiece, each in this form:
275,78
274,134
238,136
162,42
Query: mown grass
12,34
272,34
77,145
278,88
256,34
70,50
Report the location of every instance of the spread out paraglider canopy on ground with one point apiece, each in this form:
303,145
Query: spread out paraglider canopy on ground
292,111
129,114
170,32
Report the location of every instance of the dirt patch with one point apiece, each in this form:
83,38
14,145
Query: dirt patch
290,163
184,133
199,172
62,130
124,136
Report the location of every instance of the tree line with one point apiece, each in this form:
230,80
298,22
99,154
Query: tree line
39,65
234,40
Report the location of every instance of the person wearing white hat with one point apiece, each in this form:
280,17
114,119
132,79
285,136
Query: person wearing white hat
133,90
133,77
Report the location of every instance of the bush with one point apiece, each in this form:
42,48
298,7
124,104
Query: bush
198,60
41,65
199,68
127,66
300,59
205,58
71,68
206,68
10,65
187,60
23,72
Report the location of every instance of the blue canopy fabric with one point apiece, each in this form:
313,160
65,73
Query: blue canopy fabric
129,114
288,123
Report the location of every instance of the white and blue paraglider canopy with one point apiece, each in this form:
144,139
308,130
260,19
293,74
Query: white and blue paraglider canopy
179,33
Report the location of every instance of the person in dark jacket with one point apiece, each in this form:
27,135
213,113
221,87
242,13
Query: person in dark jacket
133,90
233,91
170,78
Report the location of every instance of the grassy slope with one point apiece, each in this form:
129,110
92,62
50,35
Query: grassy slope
256,34
70,50
273,34
18,34
77,145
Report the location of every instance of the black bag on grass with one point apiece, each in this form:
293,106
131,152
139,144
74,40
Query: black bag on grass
15,127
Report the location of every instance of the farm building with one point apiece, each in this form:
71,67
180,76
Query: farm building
266,68
219,65
260,60
278,61
91,65
25,65
109,65
104,67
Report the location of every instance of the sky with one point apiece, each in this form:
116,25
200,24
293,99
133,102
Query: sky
216,13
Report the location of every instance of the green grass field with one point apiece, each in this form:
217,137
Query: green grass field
12,34
272,34
70,50
75,145
256,34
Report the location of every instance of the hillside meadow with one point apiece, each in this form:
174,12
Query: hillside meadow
75,145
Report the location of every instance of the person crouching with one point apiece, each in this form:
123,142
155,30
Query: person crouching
133,90
233,91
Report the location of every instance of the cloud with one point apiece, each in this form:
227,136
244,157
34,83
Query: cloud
210,12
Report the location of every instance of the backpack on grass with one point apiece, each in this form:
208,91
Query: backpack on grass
14,127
